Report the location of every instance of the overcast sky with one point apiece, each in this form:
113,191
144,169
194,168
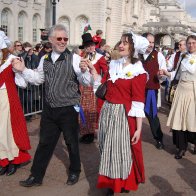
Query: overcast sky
190,6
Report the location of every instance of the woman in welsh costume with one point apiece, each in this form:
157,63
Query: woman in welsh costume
14,139
90,104
120,124
182,117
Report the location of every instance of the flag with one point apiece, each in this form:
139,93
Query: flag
87,28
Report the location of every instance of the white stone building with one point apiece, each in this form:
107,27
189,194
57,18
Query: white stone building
23,19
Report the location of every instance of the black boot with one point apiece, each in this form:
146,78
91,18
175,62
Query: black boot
159,145
11,169
89,139
72,179
194,149
83,138
180,154
110,192
3,170
124,191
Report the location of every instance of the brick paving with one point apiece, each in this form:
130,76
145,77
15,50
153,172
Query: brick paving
165,176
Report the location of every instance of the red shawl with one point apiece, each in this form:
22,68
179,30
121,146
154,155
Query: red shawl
18,122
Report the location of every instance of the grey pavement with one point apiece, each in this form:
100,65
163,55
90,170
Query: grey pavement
165,176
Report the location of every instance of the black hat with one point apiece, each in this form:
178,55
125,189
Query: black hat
86,39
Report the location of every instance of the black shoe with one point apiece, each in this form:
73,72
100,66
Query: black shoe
28,118
11,169
29,182
124,191
180,154
3,170
83,138
194,150
159,145
110,192
89,139
72,179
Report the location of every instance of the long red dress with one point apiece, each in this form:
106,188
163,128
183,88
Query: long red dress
125,91
18,123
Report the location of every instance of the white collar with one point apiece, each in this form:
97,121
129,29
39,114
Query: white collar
117,70
54,56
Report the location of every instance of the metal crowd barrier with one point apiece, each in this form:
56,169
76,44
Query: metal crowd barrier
31,99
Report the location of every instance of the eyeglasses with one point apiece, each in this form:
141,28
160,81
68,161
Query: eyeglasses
19,45
62,38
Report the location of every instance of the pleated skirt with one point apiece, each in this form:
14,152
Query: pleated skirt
183,111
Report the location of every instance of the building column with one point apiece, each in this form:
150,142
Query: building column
48,14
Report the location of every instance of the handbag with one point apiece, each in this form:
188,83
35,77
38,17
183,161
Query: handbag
174,84
101,90
172,90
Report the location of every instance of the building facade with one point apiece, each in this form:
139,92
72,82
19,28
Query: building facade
167,19
22,19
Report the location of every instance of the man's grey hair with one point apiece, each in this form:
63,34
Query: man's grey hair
58,27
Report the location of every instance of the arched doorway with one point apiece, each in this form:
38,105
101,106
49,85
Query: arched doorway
163,39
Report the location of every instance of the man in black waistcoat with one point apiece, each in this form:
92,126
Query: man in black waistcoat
61,71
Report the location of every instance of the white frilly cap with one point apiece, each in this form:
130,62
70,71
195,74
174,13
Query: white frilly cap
2,43
193,34
140,44
5,38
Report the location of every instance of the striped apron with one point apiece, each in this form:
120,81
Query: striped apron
114,142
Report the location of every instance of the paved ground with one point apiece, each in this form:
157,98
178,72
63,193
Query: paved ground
165,176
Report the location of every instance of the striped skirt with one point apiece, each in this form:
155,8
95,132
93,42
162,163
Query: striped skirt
114,142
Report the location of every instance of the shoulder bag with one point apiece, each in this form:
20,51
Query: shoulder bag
102,89
173,85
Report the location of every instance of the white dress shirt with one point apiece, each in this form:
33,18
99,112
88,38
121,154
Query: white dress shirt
36,76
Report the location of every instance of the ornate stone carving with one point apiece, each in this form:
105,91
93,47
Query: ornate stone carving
154,2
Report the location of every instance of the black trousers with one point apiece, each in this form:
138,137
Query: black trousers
53,122
181,138
155,123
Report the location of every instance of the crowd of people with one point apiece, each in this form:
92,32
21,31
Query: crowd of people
134,71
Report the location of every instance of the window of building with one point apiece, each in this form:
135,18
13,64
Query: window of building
35,28
4,20
21,18
83,21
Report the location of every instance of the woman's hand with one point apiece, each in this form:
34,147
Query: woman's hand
91,68
164,72
83,65
136,137
18,64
